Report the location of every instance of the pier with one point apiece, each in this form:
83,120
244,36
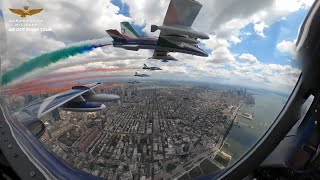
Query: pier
247,116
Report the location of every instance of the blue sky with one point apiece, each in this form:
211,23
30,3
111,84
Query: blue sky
264,48
124,10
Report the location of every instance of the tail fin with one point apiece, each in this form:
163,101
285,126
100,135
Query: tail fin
144,65
128,30
136,74
116,36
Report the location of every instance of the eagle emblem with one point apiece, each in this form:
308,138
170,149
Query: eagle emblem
25,11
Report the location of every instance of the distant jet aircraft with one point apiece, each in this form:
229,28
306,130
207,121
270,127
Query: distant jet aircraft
141,75
133,82
151,68
176,33
78,99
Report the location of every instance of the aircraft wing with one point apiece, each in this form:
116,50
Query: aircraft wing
178,21
182,13
42,107
176,30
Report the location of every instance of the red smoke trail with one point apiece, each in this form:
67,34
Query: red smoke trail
46,86
60,81
36,81
44,90
62,89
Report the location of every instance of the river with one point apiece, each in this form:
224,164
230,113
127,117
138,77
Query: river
245,133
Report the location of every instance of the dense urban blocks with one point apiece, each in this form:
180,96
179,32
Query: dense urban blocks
161,130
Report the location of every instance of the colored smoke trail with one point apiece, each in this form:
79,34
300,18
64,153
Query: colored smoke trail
36,82
65,88
47,84
45,60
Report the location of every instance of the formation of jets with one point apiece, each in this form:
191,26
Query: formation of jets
176,34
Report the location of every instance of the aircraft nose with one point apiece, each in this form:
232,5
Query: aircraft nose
202,52
198,51
112,97
116,97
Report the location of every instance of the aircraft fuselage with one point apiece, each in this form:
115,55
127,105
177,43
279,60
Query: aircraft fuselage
152,43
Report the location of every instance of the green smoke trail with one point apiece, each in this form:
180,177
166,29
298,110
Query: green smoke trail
45,60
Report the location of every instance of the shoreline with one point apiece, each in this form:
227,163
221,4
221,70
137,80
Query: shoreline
235,114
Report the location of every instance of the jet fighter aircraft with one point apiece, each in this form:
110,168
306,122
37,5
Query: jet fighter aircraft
176,33
151,68
141,75
133,82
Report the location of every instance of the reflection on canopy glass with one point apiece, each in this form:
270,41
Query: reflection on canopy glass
176,89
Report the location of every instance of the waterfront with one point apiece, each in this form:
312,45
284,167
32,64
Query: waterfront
245,133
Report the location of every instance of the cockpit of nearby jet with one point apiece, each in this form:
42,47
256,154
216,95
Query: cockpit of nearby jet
159,89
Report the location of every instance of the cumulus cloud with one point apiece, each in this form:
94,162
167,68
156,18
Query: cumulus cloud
71,22
222,55
287,47
259,28
220,47
143,13
249,58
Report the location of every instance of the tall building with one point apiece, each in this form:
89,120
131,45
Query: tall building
98,123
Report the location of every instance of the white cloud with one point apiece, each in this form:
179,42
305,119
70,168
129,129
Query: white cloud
259,28
229,16
143,13
221,52
287,47
71,21
249,58
222,55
